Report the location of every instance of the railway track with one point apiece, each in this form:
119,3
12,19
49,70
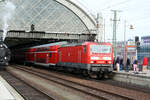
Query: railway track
101,94
25,90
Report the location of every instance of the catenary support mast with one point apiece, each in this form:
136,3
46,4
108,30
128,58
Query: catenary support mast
114,31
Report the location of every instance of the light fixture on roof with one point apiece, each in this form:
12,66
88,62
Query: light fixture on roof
131,27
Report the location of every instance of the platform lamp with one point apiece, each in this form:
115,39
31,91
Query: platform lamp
131,27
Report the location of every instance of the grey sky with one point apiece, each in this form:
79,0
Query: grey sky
135,12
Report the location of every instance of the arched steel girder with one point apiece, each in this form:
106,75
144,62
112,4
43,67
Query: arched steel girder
86,18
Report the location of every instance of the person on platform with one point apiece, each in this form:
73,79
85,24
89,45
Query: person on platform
127,64
114,63
145,63
135,68
118,64
121,64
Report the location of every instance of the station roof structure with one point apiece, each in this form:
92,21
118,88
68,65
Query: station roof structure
50,16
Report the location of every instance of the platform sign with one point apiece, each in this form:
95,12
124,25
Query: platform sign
130,48
132,43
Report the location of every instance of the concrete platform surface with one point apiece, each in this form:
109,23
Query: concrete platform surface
7,92
139,78
140,74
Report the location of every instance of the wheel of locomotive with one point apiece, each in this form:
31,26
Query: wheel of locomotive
85,73
2,68
100,75
26,64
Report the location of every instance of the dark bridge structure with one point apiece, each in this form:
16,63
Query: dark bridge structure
35,21
15,38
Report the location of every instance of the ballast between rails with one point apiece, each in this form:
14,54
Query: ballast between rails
23,87
101,94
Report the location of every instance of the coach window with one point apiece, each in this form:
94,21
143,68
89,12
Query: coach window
50,55
84,48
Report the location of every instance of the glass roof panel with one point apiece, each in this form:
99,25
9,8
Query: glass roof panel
46,15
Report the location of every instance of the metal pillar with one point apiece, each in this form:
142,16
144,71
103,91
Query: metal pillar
114,32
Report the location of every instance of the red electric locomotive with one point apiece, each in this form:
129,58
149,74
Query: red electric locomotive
90,57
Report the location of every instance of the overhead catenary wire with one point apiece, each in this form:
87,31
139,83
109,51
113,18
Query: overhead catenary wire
117,4
140,19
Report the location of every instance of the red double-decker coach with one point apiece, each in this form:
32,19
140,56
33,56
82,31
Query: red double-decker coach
45,55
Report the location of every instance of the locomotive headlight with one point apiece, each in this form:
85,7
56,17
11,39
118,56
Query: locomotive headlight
92,62
5,58
109,62
106,58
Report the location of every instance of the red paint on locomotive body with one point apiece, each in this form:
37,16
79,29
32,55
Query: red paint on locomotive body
88,55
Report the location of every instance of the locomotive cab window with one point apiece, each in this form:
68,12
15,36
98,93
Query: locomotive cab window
100,49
